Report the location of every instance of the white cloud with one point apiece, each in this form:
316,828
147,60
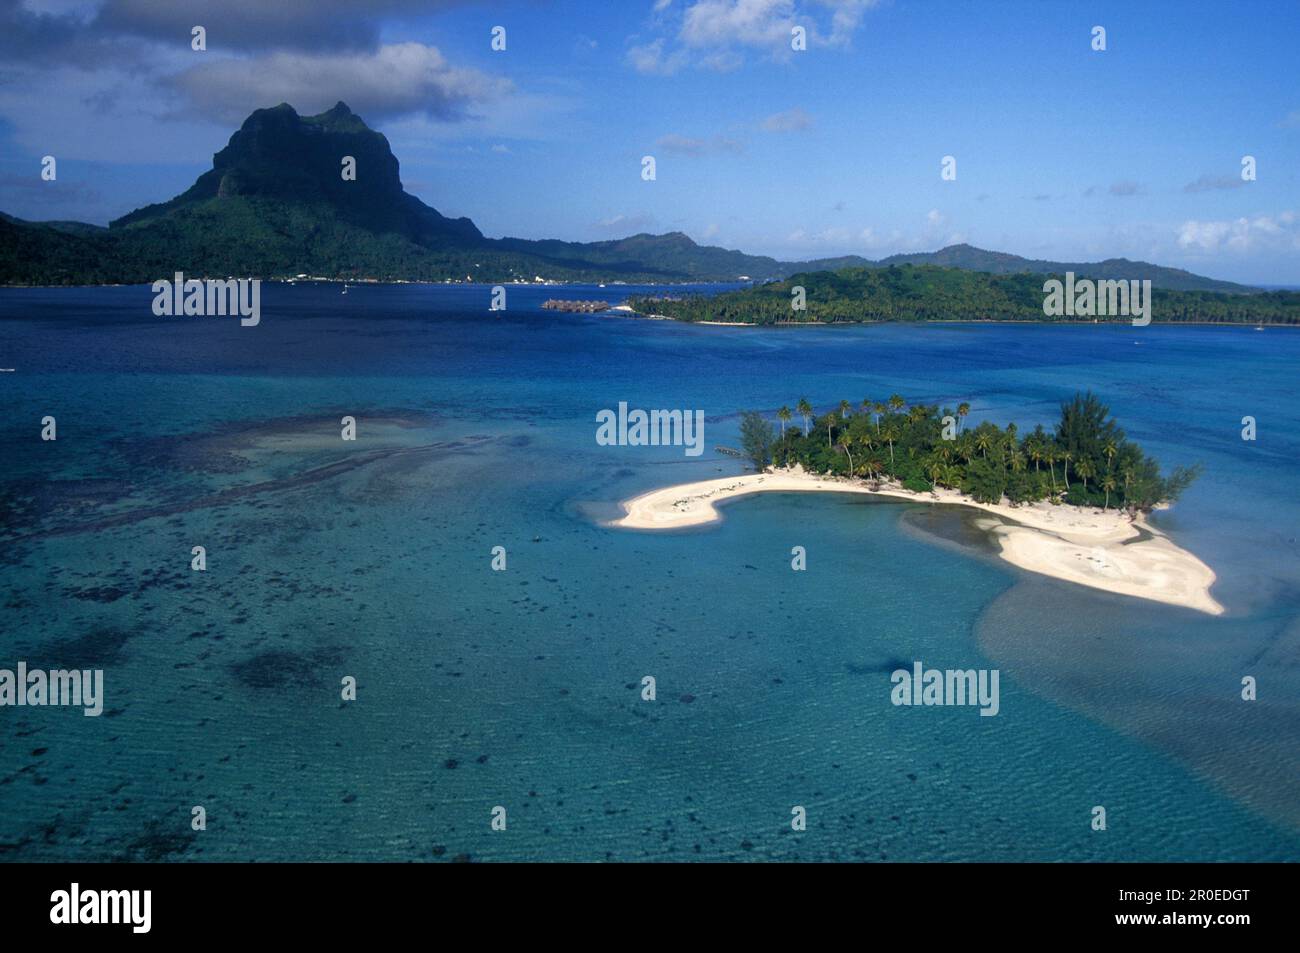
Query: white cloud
399,79
1261,233
1209,183
792,120
721,23
623,225
713,34
842,240
649,59
686,146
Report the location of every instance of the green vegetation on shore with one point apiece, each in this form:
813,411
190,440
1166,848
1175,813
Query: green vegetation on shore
1086,460
933,293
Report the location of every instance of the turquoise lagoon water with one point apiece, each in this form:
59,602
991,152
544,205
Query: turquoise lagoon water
521,689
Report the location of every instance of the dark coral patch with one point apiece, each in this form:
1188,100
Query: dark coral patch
98,648
278,669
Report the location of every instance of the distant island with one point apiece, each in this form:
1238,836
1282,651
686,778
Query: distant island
912,292
274,205
1070,504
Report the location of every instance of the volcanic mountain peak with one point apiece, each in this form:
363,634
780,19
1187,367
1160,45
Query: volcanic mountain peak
282,156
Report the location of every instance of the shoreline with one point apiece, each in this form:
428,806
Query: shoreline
625,310
928,321
1101,549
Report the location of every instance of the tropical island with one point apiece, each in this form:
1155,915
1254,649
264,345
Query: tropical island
922,447
1071,502
931,292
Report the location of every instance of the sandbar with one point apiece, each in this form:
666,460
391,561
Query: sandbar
1102,549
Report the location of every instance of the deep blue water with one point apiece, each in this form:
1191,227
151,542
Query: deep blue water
521,689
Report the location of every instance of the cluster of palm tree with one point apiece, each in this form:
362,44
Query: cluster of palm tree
1086,459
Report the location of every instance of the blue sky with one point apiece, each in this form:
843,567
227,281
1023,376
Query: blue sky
1062,151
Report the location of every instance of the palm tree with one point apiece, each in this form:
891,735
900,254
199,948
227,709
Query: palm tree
1049,454
829,421
890,435
1084,469
1017,462
1110,450
1065,457
880,410
935,468
962,411
1108,484
845,407
845,443
982,442
804,409
896,403
784,416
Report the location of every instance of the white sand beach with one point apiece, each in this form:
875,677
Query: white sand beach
1103,549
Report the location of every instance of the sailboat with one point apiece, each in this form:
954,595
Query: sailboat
345,287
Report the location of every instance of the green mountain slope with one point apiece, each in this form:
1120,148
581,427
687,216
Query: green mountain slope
971,258
274,204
